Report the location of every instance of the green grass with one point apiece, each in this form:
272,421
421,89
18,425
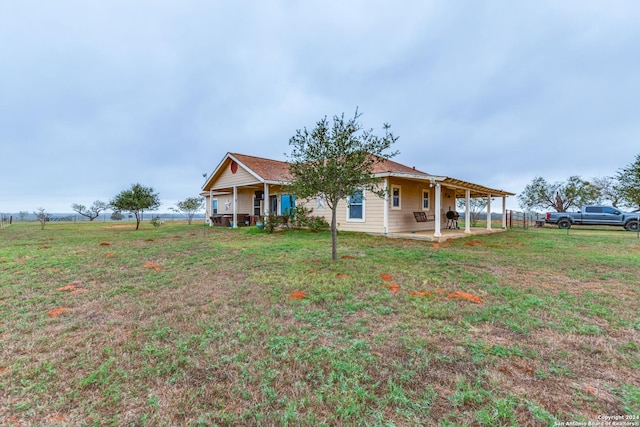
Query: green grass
185,325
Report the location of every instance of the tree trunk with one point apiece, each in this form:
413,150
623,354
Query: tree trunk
137,214
334,235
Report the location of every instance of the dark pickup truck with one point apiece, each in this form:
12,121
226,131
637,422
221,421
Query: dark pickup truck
595,215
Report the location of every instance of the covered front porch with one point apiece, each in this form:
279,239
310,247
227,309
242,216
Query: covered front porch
440,221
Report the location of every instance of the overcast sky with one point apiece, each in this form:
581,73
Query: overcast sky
98,95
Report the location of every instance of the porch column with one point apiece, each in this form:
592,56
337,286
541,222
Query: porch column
504,212
385,224
235,207
266,201
467,211
438,208
488,211
209,209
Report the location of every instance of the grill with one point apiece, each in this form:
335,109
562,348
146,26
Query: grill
452,219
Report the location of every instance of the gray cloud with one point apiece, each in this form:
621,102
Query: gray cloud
94,97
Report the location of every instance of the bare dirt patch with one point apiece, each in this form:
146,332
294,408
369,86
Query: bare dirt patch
298,295
74,287
464,296
58,311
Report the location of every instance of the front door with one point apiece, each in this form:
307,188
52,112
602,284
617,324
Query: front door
287,203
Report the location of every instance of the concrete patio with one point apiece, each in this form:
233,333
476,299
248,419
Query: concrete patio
446,234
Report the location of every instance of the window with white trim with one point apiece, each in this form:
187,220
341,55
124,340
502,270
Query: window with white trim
395,197
355,206
214,206
425,200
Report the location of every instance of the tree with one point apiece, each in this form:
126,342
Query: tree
42,216
93,212
607,191
476,207
189,207
23,215
136,200
117,216
559,196
628,185
335,161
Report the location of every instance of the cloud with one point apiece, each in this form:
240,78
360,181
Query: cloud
96,96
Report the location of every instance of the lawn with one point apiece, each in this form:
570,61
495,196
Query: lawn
186,325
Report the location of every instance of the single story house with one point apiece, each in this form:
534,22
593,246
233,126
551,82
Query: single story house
243,189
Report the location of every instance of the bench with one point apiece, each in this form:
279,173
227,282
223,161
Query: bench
423,217
225,220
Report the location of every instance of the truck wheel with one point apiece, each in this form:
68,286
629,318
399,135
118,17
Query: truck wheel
564,224
631,225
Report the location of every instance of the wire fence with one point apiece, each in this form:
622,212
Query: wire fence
524,220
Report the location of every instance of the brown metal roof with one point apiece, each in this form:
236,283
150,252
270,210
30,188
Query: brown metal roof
267,169
275,170
391,166
278,171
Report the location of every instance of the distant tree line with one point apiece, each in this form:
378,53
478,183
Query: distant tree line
134,200
619,190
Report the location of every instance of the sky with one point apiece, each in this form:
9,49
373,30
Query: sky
96,96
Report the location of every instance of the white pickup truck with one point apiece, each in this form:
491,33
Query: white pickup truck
595,215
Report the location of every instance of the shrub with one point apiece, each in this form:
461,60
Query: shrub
304,219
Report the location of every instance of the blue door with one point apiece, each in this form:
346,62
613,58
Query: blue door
288,202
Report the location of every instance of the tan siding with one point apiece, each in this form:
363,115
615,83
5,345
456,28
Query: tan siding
245,201
398,220
373,214
228,179
411,201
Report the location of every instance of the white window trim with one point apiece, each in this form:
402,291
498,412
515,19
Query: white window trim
399,207
349,219
215,199
428,208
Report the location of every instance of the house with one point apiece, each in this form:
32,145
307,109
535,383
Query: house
244,189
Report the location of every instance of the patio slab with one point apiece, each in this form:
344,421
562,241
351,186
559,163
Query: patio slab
446,234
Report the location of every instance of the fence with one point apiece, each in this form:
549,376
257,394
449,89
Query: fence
524,220
5,220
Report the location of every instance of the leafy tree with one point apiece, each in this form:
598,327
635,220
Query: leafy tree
23,215
92,212
189,207
628,185
136,200
333,161
560,196
606,190
476,207
42,216
117,216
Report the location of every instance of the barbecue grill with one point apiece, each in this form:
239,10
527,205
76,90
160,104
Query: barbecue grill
452,219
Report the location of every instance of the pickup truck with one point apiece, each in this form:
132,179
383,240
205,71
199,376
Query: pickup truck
595,215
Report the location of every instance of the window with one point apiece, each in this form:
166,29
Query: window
425,200
610,211
355,206
214,206
395,197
